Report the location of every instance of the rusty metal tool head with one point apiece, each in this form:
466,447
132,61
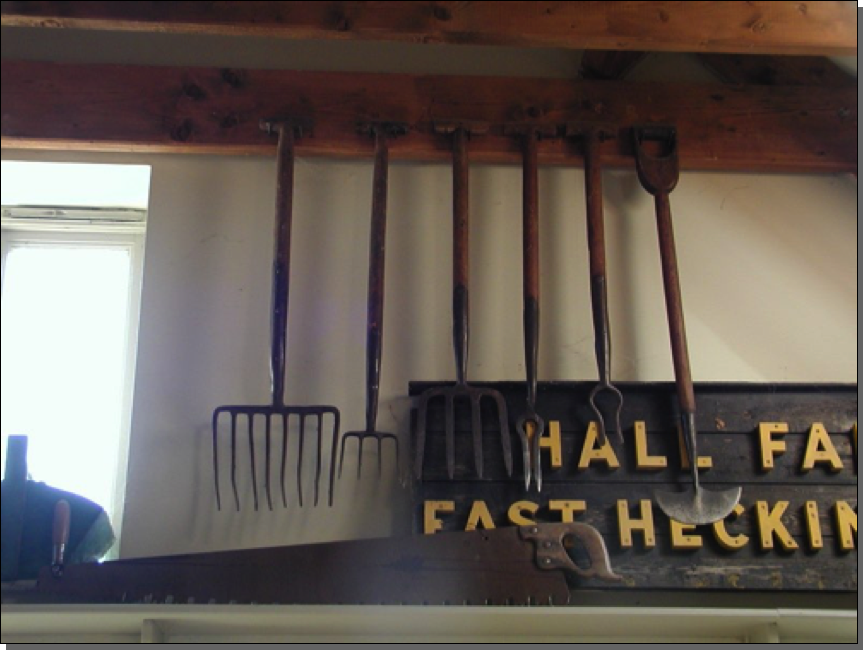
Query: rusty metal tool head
278,415
461,391
381,132
659,173
592,137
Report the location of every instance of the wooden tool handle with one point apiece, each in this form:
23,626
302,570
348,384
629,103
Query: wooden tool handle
674,305
281,261
460,253
60,535
377,256
530,245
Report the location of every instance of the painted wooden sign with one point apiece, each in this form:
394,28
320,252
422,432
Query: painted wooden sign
792,448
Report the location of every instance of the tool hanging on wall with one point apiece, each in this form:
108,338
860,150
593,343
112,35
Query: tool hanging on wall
381,132
531,565
461,336
530,425
278,415
658,175
591,138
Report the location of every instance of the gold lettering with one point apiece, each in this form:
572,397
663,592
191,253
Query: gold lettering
770,447
592,451
726,541
627,526
846,525
431,522
820,449
479,515
680,540
813,526
517,513
704,462
643,459
552,442
567,509
770,526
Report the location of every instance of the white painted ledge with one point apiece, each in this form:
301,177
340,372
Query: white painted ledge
332,624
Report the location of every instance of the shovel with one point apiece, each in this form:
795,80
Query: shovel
659,175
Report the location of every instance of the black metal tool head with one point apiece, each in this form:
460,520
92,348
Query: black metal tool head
658,172
375,436
267,421
473,395
530,428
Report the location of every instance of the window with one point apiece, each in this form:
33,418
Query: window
72,257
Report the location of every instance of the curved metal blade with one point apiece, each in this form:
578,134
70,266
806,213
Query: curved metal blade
699,506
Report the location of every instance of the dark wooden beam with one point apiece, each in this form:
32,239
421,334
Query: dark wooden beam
609,65
198,110
777,71
799,27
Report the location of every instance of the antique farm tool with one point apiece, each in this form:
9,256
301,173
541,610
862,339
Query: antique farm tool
461,391
659,175
591,138
278,415
507,566
375,321
530,426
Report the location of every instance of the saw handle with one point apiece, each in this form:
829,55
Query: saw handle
551,553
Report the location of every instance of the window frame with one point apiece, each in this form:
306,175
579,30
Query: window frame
16,233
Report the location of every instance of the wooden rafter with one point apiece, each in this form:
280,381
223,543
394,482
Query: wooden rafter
799,27
198,110
777,71
609,65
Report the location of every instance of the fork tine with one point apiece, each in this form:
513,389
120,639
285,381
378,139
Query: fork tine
345,439
234,460
525,452
319,460
476,428
450,435
267,456
420,438
300,449
505,441
283,469
333,446
216,458
251,420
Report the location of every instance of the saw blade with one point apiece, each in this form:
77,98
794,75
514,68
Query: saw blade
494,567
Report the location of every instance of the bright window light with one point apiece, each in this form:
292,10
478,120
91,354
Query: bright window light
63,357
71,293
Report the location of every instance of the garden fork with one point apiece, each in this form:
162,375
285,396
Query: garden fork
277,415
375,321
461,390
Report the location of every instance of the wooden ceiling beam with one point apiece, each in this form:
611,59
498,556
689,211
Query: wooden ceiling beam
800,27
609,65
206,110
777,71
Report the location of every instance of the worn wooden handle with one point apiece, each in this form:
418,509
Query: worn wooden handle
674,305
282,261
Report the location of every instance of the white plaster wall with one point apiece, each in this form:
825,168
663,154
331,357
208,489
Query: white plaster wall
768,268
768,264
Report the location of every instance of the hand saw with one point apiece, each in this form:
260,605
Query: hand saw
509,566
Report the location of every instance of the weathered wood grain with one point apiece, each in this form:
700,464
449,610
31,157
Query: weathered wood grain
204,110
827,28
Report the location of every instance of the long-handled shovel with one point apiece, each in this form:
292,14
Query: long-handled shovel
659,176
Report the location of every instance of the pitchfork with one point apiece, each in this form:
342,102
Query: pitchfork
461,390
375,321
277,414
